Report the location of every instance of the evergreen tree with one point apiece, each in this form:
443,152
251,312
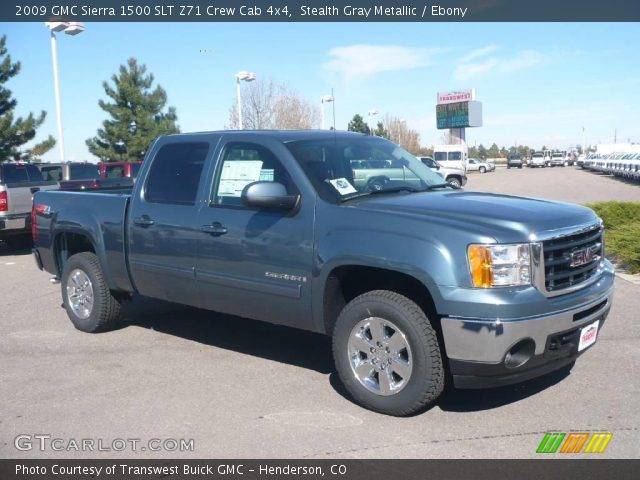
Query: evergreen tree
15,132
357,124
380,131
137,115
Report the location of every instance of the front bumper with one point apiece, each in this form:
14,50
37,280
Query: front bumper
477,348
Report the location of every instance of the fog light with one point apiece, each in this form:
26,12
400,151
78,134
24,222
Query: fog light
520,353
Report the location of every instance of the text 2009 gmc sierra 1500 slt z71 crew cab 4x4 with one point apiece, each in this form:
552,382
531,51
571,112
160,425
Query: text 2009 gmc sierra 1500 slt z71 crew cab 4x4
407,276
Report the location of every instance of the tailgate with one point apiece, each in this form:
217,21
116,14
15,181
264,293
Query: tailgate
20,197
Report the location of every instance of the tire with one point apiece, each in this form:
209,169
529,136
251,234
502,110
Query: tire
508,166
94,308
454,182
417,374
520,167
482,170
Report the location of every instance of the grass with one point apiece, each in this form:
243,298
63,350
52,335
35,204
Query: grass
622,234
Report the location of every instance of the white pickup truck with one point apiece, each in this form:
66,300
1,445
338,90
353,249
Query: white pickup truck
18,183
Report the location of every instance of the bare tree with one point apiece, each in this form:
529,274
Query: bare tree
400,133
266,104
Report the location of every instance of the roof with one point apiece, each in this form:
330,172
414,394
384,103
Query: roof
283,135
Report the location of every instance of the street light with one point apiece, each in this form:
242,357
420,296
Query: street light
70,28
245,77
371,112
325,99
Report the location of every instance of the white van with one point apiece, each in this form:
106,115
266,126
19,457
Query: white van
451,156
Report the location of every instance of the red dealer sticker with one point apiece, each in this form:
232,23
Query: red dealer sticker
588,335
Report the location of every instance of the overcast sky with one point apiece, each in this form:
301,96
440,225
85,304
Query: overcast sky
539,83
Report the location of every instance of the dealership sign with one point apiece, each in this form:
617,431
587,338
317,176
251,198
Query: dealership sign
459,115
457,96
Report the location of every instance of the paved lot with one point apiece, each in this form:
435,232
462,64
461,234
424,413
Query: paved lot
244,389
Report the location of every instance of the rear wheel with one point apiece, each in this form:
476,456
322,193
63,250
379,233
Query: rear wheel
387,355
89,303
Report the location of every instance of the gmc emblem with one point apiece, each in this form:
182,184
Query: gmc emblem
584,256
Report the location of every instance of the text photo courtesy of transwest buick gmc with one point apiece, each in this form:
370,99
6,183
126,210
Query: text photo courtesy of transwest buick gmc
419,284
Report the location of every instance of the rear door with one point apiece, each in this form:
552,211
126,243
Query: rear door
256,263
163,220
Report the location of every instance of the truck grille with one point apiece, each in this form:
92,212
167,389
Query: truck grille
572,259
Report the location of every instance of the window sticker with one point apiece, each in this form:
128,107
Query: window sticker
237,174
343,186
266,175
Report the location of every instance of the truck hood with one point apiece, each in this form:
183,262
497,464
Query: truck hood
506,218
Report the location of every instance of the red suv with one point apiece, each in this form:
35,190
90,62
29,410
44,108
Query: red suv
119,169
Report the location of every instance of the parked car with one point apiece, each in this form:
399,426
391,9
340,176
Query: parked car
119,169
455,177
514,160
537,160
558,159
477,165
414,282
68,171
79,176
18,183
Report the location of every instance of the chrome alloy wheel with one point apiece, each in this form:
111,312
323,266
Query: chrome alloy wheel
80,293
380,356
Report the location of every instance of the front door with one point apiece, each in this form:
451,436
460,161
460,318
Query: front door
255,263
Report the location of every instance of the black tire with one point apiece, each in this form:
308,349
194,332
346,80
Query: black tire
426,381
508,166
454,182
520,167
105,311
482,170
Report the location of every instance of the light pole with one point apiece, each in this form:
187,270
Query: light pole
245,77
70,28
370,113
324,99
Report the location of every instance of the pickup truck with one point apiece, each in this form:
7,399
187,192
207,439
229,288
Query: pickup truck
455,177
80,176
18,183
417,284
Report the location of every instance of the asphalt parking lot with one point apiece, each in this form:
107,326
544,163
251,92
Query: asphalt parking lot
240,388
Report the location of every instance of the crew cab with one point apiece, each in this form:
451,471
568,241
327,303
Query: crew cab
455,177
417,284
537,159
477,165
18,183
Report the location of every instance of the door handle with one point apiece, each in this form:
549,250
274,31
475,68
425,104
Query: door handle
216,229
143,221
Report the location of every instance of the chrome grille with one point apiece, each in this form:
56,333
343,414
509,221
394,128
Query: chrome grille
572,259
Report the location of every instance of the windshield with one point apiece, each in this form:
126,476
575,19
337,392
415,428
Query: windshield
343,168
537,155
83,172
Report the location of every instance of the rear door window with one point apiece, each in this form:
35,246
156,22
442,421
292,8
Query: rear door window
175,173
83,172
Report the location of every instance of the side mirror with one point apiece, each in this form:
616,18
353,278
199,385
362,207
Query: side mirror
437,167
268,195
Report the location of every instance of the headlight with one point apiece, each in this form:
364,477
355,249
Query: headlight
500,265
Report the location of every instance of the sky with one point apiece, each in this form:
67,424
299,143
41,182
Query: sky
539,83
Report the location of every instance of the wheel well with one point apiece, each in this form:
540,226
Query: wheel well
67,244
347,282
457,177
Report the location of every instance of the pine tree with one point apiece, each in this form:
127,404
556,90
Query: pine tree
357,124
380,131
15,132
137,115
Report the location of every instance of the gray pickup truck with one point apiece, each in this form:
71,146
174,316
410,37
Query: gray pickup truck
18,183
418,284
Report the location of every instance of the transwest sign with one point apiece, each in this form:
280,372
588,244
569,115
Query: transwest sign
456,96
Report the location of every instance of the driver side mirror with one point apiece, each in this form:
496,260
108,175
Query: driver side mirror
268,195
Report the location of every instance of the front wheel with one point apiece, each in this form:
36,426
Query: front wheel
89,303
387,355
454,182
482,170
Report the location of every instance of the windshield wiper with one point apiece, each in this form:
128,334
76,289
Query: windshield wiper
396,190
